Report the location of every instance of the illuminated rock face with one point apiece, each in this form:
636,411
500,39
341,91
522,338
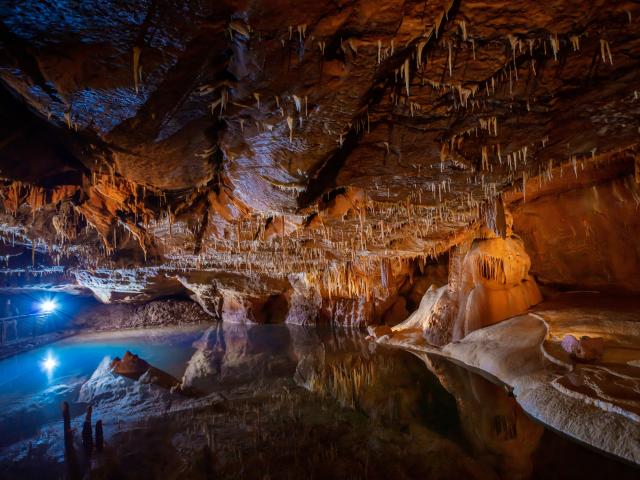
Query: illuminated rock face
491,285
585,238
220,150
495,285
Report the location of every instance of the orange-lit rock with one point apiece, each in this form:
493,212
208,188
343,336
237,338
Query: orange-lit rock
491,284
495,284
585,238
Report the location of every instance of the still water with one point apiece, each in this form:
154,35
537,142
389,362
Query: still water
275,401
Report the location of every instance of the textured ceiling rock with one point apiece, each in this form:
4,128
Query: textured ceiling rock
182,141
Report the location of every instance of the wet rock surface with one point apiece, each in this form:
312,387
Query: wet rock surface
593,399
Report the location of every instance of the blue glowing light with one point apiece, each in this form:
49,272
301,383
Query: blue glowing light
48,306
49,363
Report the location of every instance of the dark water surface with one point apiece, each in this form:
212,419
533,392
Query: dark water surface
278,401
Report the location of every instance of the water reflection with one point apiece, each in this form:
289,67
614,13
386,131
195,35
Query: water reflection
301,402
48,364
495,426
391,388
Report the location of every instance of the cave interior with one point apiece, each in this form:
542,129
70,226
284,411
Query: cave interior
278,195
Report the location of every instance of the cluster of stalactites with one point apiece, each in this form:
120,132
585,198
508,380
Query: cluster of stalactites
491,268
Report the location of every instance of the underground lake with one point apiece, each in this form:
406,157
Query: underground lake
281,401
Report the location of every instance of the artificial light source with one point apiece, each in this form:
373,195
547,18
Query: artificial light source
48,306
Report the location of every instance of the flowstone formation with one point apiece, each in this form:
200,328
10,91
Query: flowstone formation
488,284
315,161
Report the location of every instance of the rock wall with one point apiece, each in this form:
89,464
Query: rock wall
585,238
159,313
245,308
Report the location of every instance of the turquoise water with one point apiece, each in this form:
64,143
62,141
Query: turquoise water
31,394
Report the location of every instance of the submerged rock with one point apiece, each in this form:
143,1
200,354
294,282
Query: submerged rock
587,349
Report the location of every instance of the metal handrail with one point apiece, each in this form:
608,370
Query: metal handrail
4,321
26,315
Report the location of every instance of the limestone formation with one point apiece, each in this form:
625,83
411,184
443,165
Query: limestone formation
219,159
585,348
491,285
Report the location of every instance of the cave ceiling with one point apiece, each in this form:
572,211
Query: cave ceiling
245,141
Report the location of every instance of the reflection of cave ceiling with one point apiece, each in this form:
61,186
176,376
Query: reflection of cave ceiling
269,137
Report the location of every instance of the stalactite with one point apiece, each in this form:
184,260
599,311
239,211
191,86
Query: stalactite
405,70
605,51
67,117
575,42
137,75
352,46
485,158
419,49
290,125
555,46
463,29
298,103
302,30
